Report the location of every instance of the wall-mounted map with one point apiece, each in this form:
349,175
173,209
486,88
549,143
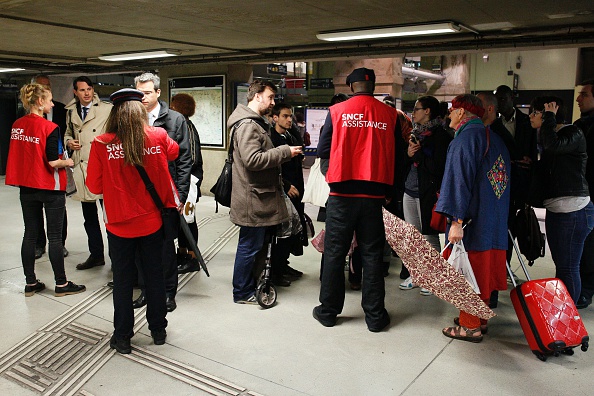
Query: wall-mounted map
209,119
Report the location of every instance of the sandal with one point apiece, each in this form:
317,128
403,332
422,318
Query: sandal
484,328
463,333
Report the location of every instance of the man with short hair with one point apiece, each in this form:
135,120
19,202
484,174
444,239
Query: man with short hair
585,101
294,187
257,201
160,115
56,115
521,143
359,139
85,119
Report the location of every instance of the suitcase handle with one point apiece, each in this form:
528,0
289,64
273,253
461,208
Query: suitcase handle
509,271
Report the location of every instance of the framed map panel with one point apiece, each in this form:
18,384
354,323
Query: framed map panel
209,118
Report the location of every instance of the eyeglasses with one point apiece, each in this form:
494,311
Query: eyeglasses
417,109
535,113
452,109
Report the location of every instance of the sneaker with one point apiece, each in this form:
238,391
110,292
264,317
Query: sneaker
122,345
251,300
407,284
425,292
70,288
37,287
159,336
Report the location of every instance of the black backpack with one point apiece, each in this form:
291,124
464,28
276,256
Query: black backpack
530,240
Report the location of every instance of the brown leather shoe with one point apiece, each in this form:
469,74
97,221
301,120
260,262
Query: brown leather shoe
90,263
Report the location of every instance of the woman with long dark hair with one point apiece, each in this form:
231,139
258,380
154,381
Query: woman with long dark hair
133,221
570,213
426,158
36,165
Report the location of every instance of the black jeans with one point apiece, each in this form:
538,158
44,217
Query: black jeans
93,229
54,204
40,243
122,252
343,217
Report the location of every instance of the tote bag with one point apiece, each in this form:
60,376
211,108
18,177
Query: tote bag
316,190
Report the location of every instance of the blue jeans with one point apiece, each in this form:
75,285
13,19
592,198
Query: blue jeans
251,240
566,233
122,252
54,204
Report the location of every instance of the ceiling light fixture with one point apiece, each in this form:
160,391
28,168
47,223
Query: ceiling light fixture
137,55
6,70
394,31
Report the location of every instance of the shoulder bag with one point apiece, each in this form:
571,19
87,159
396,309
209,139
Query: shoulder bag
223,186
169,215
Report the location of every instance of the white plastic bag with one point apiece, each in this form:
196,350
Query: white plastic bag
459,260
316,190
190,205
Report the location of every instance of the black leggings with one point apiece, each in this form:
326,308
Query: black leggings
54,204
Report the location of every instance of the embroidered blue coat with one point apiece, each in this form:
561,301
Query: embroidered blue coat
475,186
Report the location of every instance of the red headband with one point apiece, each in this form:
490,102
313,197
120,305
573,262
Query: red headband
474,109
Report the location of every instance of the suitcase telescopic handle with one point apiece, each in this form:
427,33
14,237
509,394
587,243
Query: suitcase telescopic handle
509,271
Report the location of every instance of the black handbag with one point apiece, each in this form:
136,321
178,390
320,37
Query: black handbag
170,216
223,186
538,183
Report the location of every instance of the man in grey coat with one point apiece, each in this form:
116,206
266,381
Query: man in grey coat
257,197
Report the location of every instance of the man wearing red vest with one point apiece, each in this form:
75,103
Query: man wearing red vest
358,138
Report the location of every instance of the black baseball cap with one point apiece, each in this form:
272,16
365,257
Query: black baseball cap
361,74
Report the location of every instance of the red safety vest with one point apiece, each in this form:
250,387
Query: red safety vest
27,164
363,142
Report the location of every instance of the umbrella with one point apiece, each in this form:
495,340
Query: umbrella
430,270
192,242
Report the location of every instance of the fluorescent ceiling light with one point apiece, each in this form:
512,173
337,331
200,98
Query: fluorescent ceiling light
395,31
137,55
2,70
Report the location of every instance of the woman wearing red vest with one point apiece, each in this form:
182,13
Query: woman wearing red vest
132,219
36,166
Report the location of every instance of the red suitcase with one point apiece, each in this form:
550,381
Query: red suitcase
548,316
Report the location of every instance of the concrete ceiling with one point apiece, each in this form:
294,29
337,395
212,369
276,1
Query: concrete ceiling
67,36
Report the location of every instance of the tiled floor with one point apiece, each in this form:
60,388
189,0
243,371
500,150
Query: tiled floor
57,346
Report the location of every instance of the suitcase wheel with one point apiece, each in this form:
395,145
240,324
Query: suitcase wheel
585,346
540,355
568,351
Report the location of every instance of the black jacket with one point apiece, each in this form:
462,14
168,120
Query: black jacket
564,158
524,142
59,117
292,171
430,159
177,129
196,154
586,124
